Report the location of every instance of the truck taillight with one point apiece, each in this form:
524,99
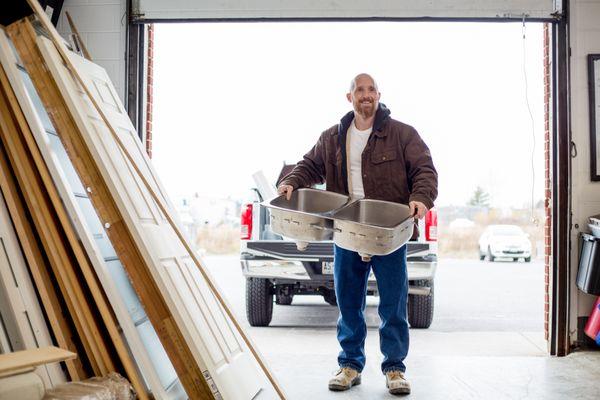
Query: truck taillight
431,226
246,222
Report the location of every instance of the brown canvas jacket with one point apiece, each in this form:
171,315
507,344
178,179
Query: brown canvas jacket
396,163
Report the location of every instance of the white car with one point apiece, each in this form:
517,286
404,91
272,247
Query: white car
504,241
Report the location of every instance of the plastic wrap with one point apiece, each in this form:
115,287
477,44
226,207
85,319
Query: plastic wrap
111,387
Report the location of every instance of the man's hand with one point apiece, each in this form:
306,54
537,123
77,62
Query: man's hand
417,209
285,189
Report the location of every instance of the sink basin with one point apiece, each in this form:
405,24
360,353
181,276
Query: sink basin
372,227
306,216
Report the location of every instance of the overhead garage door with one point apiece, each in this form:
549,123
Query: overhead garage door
160,10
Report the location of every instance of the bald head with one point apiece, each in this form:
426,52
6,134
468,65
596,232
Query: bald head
364,95
362,75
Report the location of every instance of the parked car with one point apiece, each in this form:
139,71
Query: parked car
504,241
276,271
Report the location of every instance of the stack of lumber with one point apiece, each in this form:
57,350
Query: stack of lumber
110,274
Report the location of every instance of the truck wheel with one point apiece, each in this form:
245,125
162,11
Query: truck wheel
420,308
259,301
284,299
528,259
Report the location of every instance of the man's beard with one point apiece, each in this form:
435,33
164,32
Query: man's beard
366,111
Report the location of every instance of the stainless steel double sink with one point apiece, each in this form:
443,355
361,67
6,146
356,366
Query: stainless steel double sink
369,227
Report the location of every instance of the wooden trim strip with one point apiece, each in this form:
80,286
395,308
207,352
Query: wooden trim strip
11,363
79,38
24,38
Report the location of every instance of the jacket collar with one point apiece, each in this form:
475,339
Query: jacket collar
381,118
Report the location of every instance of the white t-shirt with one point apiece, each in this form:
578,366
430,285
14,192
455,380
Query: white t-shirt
357,140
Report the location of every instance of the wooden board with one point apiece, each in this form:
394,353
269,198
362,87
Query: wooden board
139,339
23,37
19,360
37,197
53,305
21,299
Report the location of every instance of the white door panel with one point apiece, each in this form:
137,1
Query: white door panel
207,330
125,303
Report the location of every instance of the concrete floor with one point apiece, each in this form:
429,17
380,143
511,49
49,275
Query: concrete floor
486,341
453,365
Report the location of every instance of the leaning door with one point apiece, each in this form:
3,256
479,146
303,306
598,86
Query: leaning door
217,348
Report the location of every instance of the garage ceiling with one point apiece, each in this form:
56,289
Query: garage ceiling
174,10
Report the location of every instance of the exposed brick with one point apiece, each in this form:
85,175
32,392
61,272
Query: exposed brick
149,89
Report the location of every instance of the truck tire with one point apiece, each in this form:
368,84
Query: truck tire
420,308
259,301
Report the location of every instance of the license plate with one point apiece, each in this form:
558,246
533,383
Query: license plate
327,268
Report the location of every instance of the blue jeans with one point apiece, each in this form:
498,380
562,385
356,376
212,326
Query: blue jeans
350,277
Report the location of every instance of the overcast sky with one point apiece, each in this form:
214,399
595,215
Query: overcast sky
231,99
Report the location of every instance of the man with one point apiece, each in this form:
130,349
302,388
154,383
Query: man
370,155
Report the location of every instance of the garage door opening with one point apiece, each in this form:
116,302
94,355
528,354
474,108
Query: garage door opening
252,97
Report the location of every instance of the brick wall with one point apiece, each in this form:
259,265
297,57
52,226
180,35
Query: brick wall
149,88
548,186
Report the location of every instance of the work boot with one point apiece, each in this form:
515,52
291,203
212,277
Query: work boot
396,383
344,379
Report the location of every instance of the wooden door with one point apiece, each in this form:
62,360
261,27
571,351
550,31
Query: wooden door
227,364
140,336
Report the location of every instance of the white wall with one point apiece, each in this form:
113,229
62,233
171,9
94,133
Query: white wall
102,25
585,39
